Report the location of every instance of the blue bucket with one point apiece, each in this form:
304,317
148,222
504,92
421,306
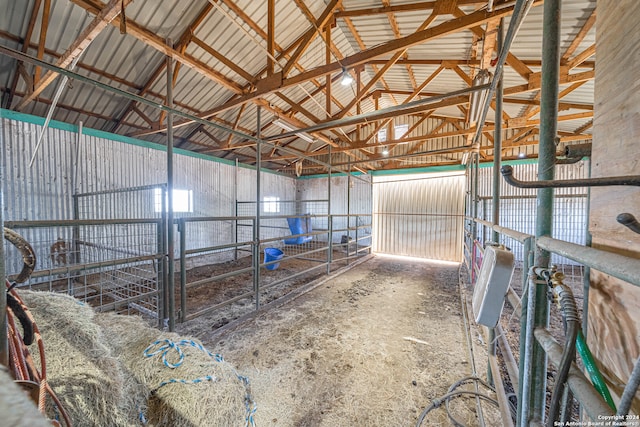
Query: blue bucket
272,254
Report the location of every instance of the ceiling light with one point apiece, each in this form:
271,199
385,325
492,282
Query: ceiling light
286,126
465,158
385,152
346,78
522,155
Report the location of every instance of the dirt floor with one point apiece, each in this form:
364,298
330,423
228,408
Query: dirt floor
371,347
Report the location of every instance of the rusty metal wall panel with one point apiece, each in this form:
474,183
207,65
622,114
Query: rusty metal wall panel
419,216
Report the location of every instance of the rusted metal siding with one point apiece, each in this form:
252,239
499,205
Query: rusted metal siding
419,216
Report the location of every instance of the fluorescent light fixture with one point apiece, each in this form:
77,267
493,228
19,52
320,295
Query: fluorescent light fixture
465,158
346,78
286,126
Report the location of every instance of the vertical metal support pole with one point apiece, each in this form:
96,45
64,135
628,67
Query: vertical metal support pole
256,228
182,229
235,190
497,145
170,237
527,262
330,236
586,278
160,245
349,188
4,344
349,209
526,356
162,242
544,213
371,205
330,219
75,231
497,160
474,209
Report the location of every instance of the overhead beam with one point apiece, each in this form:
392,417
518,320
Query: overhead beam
579,37
156,42
44,28
410,7
103,18
271,35
467,21
26,44
449,27
309,35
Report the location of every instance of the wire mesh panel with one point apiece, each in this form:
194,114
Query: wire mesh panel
111,265
133,202
518,207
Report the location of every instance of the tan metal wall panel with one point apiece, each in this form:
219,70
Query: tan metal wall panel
419,216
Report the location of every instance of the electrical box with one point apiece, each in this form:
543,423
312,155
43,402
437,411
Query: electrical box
492,285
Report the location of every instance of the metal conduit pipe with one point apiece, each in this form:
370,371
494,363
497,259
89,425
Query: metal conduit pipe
507,174
407,108
591,401
629,221
630,390
578,150
619,266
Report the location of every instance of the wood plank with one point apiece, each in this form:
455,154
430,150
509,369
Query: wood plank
95,27
44,27
326,15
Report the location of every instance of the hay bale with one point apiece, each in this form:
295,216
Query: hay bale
218,402
17,409
96,365
81,367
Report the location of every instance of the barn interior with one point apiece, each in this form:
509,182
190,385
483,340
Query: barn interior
320,213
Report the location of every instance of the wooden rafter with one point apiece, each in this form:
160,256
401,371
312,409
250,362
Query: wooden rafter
579,37
397,55
309,35
184,39
26,44
95,27
271,35
44,27
457,24
149,38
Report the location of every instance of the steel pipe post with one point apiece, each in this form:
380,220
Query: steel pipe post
170,229
256,233
183,269
497,159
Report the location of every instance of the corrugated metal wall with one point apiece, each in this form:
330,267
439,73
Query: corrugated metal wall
45,190
419,216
